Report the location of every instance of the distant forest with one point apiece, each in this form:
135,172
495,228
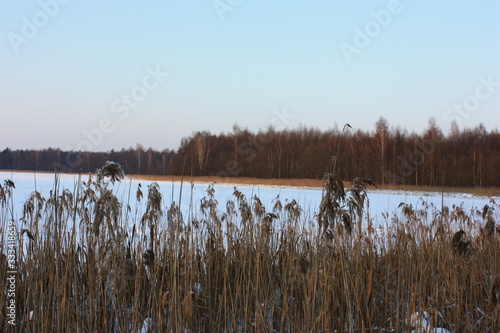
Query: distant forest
467,157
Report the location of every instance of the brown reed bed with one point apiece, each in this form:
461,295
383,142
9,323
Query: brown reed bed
91,265
315,183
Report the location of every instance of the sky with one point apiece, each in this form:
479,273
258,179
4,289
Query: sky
101,75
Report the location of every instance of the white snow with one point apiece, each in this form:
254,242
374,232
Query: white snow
380,201
422,324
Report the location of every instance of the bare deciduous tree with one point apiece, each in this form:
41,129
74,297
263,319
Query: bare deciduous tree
201,149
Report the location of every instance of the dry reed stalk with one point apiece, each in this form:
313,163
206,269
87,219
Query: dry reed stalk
249,270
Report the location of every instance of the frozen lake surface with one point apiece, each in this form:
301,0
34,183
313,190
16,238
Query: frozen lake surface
380,201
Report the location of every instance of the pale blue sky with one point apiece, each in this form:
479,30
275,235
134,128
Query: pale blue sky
66,69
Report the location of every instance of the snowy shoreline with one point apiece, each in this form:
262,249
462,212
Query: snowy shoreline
381,201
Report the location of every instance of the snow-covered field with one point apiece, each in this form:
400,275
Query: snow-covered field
380,201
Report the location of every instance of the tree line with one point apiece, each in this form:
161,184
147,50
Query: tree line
467,157
133,160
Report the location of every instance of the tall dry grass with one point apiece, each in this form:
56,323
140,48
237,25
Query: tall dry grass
93,263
